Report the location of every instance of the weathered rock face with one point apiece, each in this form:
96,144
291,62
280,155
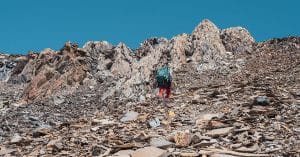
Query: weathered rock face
179,47
55,71
237,40
26,67
207,46
122,61
6,67
101,59
11,66
152,54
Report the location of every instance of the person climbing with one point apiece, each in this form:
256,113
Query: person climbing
164,81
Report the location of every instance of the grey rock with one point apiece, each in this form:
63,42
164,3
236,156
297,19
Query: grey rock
153,123
262,100
160,142
6,67
129,116
57,100
16,139
142,98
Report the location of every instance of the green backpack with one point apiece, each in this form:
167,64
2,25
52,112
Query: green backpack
163,75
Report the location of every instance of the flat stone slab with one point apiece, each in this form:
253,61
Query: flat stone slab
129,116
150,152
160,142
219,132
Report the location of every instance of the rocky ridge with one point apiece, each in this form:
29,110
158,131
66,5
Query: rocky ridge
231,96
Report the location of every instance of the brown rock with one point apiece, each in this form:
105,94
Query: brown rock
219,132
54,144
213,124
204,119
52,71
190,154
182,139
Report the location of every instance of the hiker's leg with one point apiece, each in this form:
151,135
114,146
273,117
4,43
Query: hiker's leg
161,92
168,91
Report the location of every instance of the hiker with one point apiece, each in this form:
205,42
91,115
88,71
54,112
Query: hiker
164,81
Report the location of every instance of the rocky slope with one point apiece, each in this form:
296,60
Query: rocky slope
231,96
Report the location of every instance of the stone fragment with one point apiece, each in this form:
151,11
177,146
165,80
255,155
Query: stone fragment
41,131
160,142
262,100
4,151
55,144
149,152
102,122
95,128
183,138
213,124
189,154
219,132
57,100
205,143
123,153
251,149
16,139
203,120
129,116
154,123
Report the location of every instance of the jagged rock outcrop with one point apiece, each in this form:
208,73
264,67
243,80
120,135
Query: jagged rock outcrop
101,56
152,54
237,40
26,67
66,68
179,48
207,46
130,71
122,61
6,67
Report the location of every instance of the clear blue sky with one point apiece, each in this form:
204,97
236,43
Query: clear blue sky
37,24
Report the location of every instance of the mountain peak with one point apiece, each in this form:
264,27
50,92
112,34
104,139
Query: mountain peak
205,26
